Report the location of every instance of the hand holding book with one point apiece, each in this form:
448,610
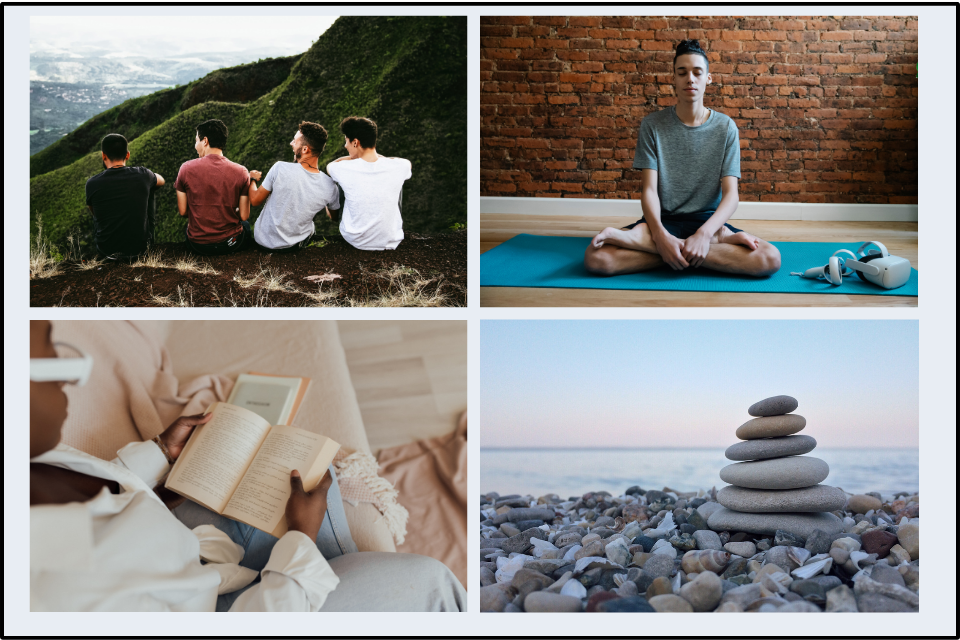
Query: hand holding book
305,509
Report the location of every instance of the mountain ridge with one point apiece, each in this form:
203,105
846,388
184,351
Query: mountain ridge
412,83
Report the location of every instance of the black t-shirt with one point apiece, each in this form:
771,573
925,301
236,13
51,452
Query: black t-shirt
123,209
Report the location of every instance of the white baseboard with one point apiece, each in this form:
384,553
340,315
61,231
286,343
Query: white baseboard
745,210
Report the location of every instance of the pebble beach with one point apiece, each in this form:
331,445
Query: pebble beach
653,551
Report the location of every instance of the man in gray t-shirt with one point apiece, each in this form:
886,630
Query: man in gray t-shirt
295,192
689,157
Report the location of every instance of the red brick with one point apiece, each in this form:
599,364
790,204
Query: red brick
788,25
869,35
583,21
836,35
655,45
604,175
753,23
513,20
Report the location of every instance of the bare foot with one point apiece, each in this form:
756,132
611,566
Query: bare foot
741,237
607,235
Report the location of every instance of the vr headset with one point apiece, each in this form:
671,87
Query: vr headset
875,265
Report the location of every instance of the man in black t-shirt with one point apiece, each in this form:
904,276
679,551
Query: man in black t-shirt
121,201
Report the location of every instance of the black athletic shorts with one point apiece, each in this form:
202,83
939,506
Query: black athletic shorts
683,225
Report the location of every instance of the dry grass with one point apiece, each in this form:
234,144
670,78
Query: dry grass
170,301
190,265
405,287
266,280
42,264
321,298
152,259
92,263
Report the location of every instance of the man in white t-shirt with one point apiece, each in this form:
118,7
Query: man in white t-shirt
294,192
372,185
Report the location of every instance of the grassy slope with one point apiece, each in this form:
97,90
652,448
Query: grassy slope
135,116
413,83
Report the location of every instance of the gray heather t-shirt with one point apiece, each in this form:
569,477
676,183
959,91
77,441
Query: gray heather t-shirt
296,196
689,161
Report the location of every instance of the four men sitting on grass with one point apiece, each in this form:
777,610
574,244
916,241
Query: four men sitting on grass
216,195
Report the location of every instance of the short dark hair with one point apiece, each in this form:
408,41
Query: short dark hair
214,131
314,135
363,130
114,146
691,46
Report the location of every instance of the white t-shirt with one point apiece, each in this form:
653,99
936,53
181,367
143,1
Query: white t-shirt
296,196
371,211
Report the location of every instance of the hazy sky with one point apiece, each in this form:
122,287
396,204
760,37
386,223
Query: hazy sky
688,383
177,35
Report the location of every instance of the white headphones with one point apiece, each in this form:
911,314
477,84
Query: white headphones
876,266
833,271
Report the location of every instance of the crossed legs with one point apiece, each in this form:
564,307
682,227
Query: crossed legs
633,250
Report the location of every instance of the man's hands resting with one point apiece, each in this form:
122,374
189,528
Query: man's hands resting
696,247
670,249
305,510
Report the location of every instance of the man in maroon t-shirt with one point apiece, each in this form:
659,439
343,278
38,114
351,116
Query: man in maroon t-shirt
212,191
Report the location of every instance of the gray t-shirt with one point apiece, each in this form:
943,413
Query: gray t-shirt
296,196
689,161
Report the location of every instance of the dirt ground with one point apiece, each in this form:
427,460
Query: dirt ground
422,271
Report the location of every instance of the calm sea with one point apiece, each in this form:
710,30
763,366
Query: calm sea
570,472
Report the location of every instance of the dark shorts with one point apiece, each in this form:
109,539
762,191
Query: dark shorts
683,225
230,245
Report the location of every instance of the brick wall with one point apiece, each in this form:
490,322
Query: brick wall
827,107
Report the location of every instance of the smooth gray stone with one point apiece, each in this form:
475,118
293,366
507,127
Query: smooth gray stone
770,448
809,499
800,524
516,515
794,472
707,539
771,426
773,406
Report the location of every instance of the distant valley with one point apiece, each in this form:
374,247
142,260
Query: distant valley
68,88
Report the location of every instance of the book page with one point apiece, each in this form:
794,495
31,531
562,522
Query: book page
261,497
217,455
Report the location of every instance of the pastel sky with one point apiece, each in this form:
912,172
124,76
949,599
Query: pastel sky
687,383
177,35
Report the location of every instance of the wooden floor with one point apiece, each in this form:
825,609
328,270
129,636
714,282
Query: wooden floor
899,237
410,377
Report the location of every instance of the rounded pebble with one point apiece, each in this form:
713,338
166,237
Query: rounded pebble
794,472
771,427
773,406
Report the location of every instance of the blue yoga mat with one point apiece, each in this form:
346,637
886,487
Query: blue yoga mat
557,262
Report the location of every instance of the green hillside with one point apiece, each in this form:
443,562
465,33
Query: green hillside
235,84
409,74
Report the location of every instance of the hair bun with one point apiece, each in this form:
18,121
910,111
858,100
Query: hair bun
692,45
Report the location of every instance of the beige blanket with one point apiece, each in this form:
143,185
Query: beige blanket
431,477
132,393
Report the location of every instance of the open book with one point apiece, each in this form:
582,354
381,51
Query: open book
238,465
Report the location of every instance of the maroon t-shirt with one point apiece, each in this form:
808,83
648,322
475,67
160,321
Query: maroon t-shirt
213,186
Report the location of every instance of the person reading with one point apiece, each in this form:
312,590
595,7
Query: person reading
689,157
212,193
372,186
294,192
101,539
122,202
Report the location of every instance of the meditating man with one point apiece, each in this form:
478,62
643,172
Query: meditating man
102,540
372,185
294,192
121,199
212,192
690,161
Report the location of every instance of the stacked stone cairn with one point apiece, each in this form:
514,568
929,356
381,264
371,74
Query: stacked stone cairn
765,543
773,487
